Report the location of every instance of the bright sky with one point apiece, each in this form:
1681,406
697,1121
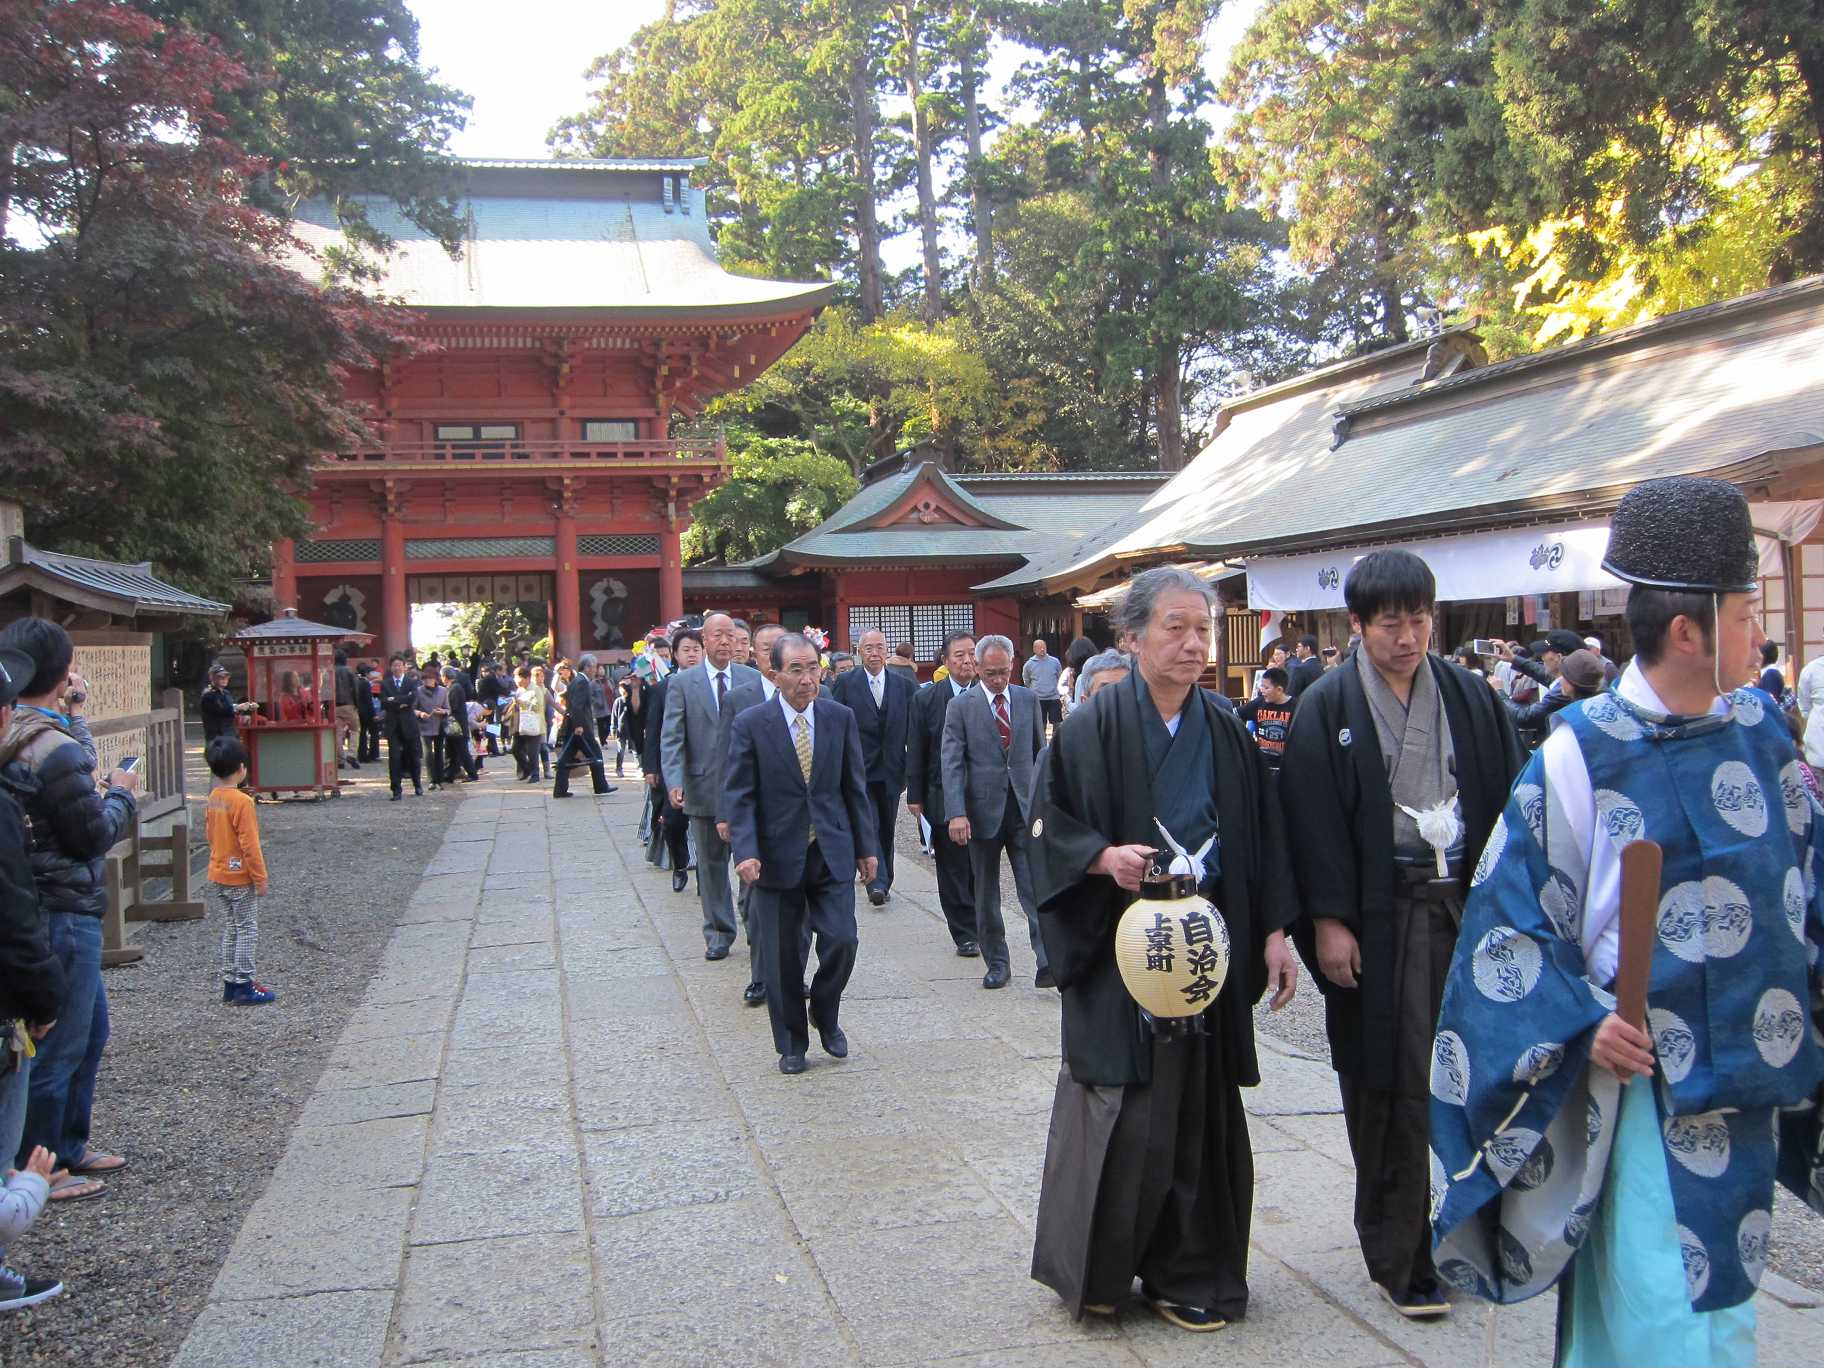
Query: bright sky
524,62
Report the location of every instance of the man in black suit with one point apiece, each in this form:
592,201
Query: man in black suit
579,724
670,830
881,700
399,721
798,822
925,789
1307,669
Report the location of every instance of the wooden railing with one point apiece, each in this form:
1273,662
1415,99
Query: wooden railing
158,738
483,453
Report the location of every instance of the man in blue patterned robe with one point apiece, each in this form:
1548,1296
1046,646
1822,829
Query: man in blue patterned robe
1635,1169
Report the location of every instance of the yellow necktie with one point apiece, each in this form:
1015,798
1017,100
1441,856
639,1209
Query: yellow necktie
803,742
802,730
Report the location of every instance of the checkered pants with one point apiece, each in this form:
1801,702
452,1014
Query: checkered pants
240,929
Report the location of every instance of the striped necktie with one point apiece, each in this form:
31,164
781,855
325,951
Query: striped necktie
1002,724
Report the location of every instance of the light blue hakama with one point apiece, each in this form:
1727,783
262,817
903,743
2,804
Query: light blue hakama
1626,1302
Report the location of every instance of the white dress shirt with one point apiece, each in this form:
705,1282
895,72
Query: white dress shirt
792,716
877,684
1568,783
725,673
767,689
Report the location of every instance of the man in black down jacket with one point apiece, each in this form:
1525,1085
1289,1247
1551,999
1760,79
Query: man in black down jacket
47,763
31,979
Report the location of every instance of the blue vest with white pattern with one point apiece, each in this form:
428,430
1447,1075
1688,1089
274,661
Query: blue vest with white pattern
1728,999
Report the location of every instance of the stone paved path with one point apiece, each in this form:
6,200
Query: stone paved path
553,1137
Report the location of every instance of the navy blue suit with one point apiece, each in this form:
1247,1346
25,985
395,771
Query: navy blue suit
883,751
772,814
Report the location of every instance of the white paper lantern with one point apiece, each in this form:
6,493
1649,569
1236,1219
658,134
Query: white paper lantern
1172,947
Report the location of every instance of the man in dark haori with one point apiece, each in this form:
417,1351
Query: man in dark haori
1397,765
1148,1170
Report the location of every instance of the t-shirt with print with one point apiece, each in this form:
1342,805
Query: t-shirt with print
1272,724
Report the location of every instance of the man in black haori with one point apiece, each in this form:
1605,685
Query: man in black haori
1396,769
1148,1170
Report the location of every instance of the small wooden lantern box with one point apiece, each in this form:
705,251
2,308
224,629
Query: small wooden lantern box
296,753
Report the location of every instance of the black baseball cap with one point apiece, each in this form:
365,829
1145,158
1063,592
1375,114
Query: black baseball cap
16,670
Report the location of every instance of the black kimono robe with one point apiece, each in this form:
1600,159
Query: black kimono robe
1339,828
1094,792
1148,1169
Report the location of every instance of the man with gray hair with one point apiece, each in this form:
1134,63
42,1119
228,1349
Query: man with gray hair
992,735
1148,1169
1100,671
689,758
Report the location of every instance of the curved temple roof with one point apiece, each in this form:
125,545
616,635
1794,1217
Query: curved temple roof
583,239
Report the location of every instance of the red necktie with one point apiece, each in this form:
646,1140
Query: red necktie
1001,722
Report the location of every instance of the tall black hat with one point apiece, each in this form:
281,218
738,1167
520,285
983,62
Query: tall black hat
1684,533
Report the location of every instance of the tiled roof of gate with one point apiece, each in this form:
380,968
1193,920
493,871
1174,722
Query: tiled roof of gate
550,236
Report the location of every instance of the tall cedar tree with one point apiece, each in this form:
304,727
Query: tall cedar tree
167,372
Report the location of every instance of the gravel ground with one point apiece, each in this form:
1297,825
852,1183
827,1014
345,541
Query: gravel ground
1798,1232
202,1097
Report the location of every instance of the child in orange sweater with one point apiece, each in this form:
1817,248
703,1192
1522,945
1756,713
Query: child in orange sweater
237,871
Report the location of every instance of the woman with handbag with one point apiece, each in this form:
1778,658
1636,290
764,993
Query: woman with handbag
528,723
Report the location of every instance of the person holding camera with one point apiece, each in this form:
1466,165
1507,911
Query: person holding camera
47,762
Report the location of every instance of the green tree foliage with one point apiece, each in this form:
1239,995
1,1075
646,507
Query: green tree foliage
1556,165
863,391
781,487
167,378
494,630
336,104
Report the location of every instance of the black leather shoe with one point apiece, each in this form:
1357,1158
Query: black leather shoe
791,1064
754,995
397,796
1044,979
835,1043
877,896
716,952
995,978
560,795
603,792
969,950
680,880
